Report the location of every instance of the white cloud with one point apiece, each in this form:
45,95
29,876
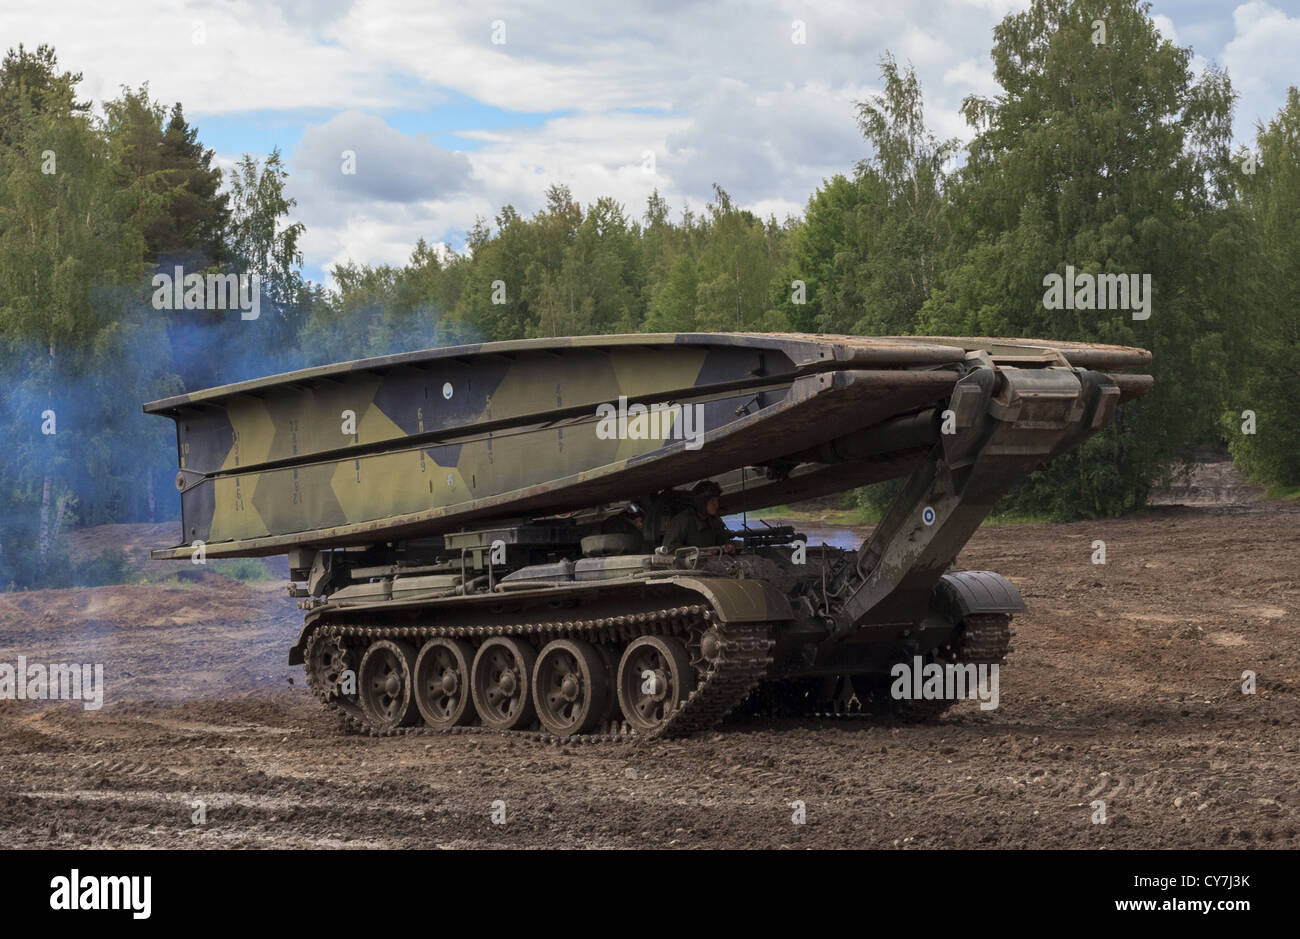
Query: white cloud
356,157
972,76
1166,27
1261,61
718,92
756,144
215,57
376,238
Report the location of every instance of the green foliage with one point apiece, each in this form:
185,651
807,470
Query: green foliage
57,569
736,258
160,155
1270,309
1107,158
110,566
89,208
869,248
259,241
874,500
249,570
673,308
567,270
31,84
76,351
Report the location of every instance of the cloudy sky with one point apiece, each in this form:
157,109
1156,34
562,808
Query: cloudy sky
455,109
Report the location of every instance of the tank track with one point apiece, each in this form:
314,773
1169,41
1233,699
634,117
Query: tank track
744,658
985,640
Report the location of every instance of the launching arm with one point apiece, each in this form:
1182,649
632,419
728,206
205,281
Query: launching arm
1002,423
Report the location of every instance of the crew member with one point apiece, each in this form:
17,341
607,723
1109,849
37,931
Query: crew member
700,526
631,521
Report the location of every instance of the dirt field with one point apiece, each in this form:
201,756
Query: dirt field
1125,686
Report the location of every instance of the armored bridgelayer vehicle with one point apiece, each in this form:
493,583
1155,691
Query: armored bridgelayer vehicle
458,529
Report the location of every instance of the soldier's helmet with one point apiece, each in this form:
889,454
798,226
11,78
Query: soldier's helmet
703,491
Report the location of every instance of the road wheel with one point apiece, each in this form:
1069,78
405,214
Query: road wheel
654,679
385,685
570,687
442,682
502,683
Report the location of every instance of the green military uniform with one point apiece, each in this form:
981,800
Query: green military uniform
687,529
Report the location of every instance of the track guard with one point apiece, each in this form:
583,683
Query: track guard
740,601
961,593
733,601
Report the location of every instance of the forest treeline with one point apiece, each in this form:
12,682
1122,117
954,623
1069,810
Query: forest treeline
1094,158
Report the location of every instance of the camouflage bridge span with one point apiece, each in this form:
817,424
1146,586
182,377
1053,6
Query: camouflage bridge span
443,513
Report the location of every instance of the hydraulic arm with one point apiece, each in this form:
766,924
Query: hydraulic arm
1003,422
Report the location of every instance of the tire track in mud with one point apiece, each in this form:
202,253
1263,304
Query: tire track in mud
1124,688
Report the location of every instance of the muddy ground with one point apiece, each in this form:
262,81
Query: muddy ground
1125,686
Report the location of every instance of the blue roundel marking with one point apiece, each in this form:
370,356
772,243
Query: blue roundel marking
446,390
927,515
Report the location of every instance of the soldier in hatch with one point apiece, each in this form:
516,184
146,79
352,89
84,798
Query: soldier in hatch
700,526
631,521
